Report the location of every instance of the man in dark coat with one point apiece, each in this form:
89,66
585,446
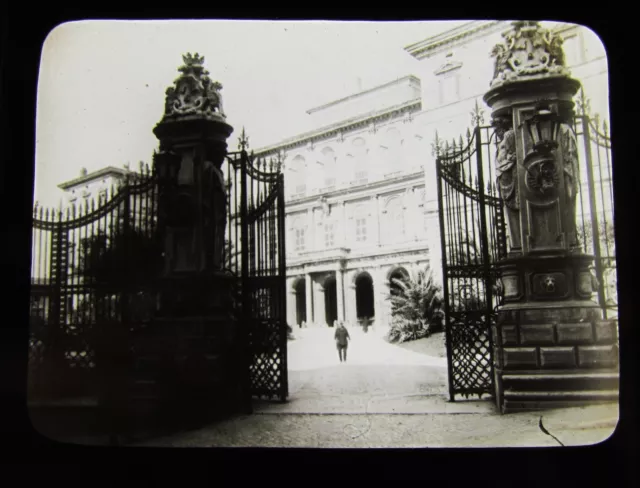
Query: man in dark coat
342,341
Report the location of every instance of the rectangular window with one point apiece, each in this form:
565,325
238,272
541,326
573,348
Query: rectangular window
361,230
448,88
329,183
328,235
300,244
361,177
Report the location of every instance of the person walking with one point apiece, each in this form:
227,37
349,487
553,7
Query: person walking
342,341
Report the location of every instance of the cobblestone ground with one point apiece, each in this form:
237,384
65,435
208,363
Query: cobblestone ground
384,396
382,431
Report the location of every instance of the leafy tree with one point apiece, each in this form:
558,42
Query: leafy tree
415,307
109,263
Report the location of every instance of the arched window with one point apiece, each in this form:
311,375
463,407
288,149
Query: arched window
360,169
394,220
361,224
394,157
298,234
298,170
329,167
329,234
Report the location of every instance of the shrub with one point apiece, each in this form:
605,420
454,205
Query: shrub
415,308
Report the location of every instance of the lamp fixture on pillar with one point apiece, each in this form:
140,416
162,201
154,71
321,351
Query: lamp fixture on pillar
543,129
546,279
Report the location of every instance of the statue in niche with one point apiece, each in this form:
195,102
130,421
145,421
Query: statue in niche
570,164
507,181
185,174
216,215
570,167
326,208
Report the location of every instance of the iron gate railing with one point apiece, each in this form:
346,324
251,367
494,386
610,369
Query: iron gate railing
473,240
92,266
595,213
256,217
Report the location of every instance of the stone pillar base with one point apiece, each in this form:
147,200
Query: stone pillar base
552,347
190,367
553,357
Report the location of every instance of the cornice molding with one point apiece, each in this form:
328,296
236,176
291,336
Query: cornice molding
447,67
339,129
356,192
412,78
101,173
354,262
468,32
464,33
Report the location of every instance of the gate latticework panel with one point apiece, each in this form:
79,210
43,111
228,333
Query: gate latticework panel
473,238
255,253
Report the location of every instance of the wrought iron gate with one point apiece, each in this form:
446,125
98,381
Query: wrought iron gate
473,235
595,215
255,253
472,231
93,267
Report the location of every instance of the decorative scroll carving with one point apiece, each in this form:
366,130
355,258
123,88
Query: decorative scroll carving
528,51
542,176
194,93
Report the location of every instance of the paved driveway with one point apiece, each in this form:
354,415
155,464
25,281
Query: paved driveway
385,396
378,377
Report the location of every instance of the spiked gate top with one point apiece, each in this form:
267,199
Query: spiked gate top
193,94
528,51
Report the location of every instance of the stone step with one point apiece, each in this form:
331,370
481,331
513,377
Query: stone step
580,394
513,405
561,381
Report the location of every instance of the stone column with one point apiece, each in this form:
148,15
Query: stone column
380,289
549,322
378,223
414,223
195,302
350,300
319,315
340,291
343,224
309,244
309,298
291,302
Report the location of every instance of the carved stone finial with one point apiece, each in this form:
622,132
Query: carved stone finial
528,51
194,93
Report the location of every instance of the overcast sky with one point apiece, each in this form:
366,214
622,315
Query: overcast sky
102,83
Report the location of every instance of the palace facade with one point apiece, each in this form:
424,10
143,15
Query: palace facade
362,203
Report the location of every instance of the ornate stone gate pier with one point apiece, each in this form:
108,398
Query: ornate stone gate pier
551,345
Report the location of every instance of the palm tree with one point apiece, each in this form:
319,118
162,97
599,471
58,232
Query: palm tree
415,306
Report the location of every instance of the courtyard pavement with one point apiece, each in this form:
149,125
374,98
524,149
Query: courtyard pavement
385,396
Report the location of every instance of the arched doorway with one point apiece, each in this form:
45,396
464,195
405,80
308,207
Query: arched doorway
330,301
364,296
301,301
